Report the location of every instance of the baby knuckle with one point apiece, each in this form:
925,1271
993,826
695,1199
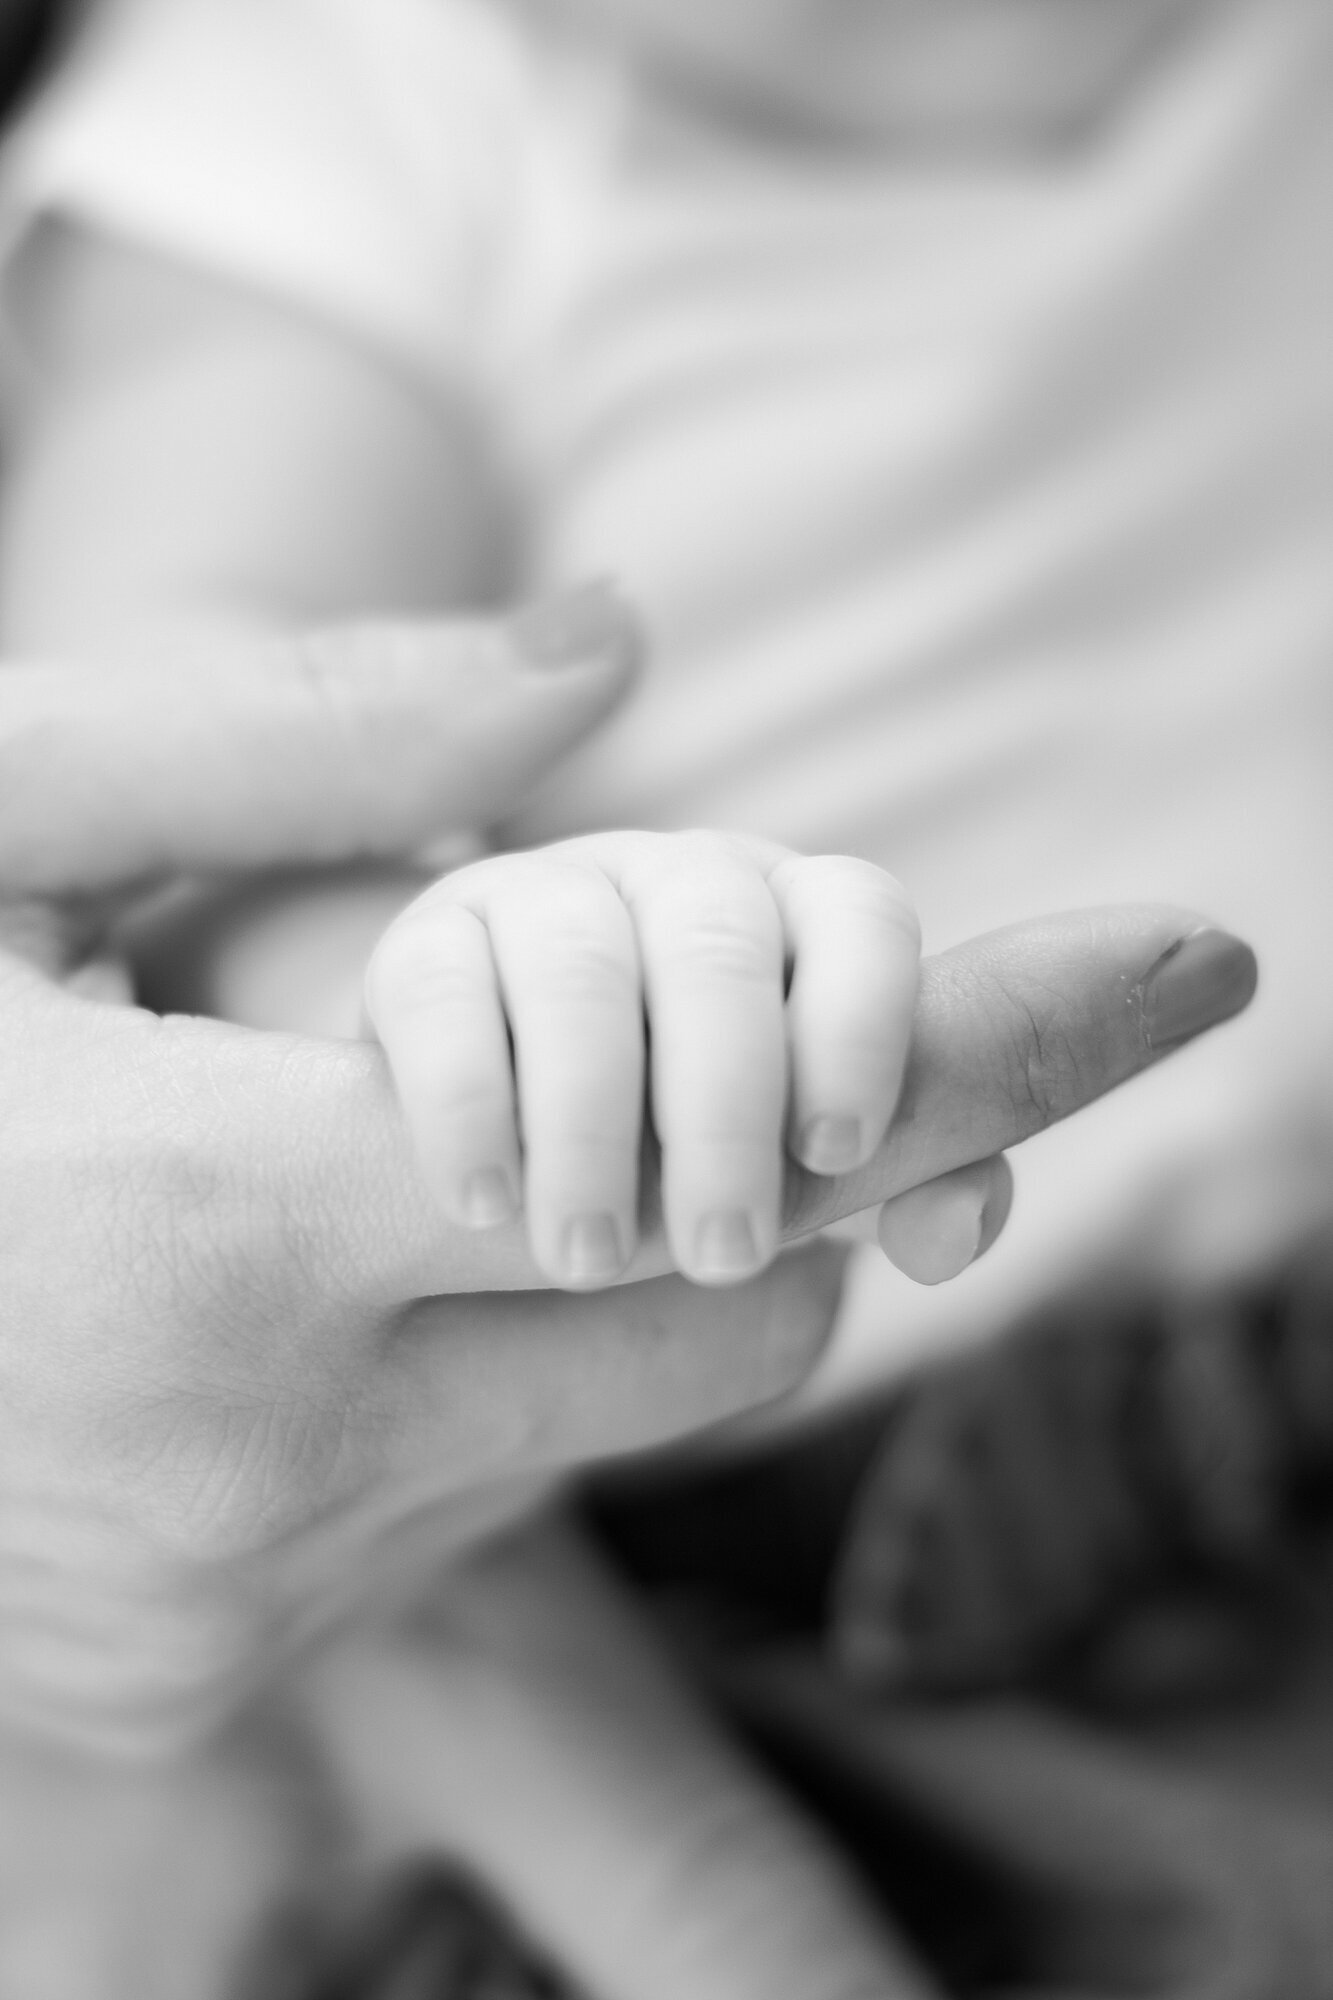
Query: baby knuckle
664,856
586,965
886,903
720,949
705,848
698,869
862,890
415,969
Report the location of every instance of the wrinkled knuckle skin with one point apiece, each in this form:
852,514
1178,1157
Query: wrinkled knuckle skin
697,850
863,890
1046,1072
888,904
713,951
588,967
152,1677
411,971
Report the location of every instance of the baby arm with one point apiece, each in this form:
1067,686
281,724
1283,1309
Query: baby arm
189,456
754,1000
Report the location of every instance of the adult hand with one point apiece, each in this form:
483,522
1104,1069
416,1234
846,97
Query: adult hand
219,1382
221,1366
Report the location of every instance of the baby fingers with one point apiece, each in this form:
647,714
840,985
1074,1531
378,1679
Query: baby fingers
508,1003
511,1002
712,945
854,944
432,994
569,973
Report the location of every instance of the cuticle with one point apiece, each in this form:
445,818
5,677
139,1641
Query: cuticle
1137,996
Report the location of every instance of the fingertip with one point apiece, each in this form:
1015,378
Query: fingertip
726,1246
854,939
1200,981
486,1199
585,1251
591,625
998,1201
934,1232
475,1186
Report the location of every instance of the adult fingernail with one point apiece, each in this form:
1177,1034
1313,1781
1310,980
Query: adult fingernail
1203,979
591,1251
725,1246
831,1145
575,627
488,1199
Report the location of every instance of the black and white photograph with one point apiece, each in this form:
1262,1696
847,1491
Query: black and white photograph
666,1000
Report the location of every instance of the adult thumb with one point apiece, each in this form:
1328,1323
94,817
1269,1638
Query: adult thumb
353,740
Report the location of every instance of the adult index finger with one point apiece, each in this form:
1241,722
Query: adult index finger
304,747
1019,1029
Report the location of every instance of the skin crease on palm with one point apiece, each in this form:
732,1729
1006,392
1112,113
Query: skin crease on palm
1006,73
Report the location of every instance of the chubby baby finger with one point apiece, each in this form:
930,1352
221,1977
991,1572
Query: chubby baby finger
854,941
433,998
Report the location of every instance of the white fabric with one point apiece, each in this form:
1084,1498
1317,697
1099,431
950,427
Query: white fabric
982,509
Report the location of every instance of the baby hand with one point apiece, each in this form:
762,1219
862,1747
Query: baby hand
532,1005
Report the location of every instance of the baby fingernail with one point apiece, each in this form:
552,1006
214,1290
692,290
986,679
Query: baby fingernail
591,1250
488,1199
574,627
724,1245
1205,978
831,1145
